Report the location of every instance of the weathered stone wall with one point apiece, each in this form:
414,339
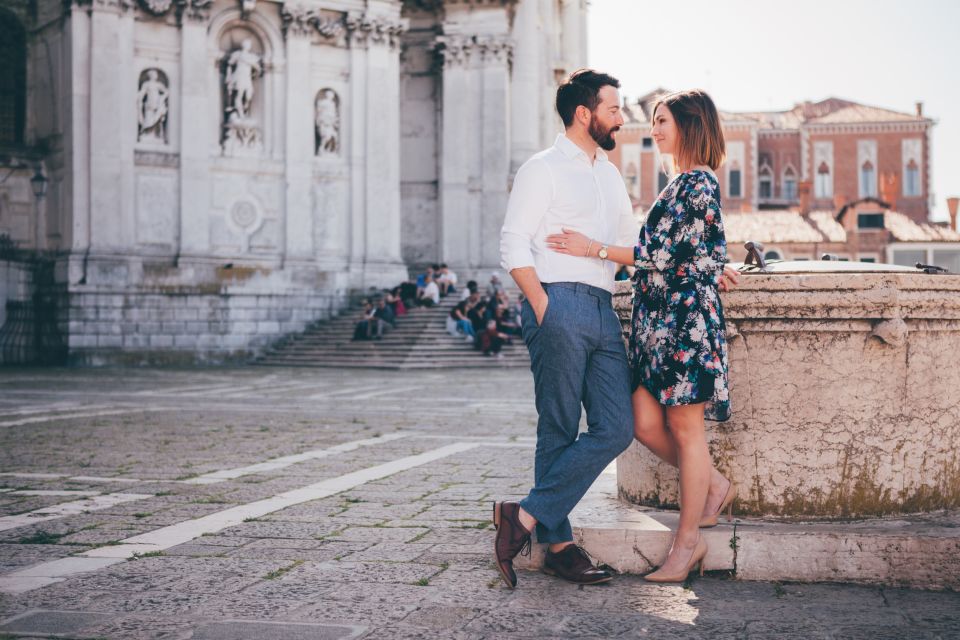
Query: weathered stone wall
165,320
845,391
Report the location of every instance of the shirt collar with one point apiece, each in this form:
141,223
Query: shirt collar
572,151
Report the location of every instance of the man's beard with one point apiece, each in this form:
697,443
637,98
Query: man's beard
604,139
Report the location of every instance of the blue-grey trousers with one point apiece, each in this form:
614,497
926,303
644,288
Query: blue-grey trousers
578,358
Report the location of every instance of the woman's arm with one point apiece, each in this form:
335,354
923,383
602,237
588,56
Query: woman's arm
575,243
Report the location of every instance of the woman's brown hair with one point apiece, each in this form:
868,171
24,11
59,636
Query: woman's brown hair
700,136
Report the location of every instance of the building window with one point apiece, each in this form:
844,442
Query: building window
734,178
866,259
772,254
949,259
662,181
908,257
823,186
868,180
648,143
870,221
911,182
13,79
766,183
631,178
789,184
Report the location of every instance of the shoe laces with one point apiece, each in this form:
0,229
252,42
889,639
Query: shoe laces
525,549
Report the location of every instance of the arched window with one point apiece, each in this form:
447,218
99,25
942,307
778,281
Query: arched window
766,183
773,254
868,180
789,184
823,186
911,185
662,181
13,79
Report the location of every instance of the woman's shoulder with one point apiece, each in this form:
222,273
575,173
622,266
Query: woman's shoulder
699,181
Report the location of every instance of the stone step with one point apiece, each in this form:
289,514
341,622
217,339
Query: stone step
921,551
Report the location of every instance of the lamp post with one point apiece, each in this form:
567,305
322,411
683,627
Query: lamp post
39,183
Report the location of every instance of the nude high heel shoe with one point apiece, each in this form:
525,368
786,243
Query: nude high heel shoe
699,553
712,519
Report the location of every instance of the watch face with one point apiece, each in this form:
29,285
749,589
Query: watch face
602,253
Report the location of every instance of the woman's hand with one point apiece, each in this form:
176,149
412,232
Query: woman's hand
571,242
729,279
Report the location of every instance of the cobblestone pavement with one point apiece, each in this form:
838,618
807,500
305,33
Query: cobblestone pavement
274,503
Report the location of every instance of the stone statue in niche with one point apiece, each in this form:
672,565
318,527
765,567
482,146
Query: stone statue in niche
327,121
153,103
244,65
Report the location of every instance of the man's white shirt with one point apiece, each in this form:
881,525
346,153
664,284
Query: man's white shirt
561,188
432,291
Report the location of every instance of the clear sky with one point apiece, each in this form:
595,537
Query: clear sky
769,55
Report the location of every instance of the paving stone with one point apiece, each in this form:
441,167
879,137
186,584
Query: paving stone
52,622
252,630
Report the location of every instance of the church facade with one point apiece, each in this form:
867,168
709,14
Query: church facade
193,179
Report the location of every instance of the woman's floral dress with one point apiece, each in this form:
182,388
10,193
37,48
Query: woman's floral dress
677,346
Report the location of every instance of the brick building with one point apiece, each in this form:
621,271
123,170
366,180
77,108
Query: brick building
845,150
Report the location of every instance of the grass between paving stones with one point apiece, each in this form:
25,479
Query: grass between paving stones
273,575
148,554
43,537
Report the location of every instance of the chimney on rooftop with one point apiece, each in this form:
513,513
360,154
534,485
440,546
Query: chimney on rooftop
952,208
919,109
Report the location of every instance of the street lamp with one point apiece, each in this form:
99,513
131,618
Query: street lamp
39,183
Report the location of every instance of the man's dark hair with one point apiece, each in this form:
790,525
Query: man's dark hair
582,88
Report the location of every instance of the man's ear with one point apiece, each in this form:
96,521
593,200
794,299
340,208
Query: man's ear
583,115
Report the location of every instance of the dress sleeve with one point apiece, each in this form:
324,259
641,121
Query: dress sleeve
682,238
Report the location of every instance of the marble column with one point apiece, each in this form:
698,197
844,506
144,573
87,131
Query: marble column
494,122
527,80
112,127
375,40
572,45
196,138
458,145
299,147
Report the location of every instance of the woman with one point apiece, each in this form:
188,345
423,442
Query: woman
677,349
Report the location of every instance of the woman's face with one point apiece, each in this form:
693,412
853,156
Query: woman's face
664,130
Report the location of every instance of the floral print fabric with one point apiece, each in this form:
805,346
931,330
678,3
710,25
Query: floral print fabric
678,349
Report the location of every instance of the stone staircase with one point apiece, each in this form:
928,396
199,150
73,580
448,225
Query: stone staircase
420,341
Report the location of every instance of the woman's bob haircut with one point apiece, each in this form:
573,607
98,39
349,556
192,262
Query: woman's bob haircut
699,134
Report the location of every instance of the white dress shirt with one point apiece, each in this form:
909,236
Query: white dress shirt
561,188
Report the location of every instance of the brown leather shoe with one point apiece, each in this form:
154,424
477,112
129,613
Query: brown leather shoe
512,539
573,564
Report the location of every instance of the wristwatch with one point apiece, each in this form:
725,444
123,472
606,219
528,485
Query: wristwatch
602,254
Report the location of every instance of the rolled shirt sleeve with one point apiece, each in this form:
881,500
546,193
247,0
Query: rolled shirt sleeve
527,207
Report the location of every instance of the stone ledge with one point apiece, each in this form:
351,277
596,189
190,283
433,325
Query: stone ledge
917,551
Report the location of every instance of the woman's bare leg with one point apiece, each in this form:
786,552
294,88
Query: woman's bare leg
650,428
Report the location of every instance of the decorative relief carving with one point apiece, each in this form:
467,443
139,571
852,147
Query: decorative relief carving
245,218
364,29
198,10
327,123
153,101
495,48
457,50
156,7
305,21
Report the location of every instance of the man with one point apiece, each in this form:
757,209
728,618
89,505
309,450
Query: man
431,292
569,325
447,280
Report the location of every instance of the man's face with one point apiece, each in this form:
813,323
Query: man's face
607,118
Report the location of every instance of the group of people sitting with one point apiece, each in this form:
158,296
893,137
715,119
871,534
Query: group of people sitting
487,321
